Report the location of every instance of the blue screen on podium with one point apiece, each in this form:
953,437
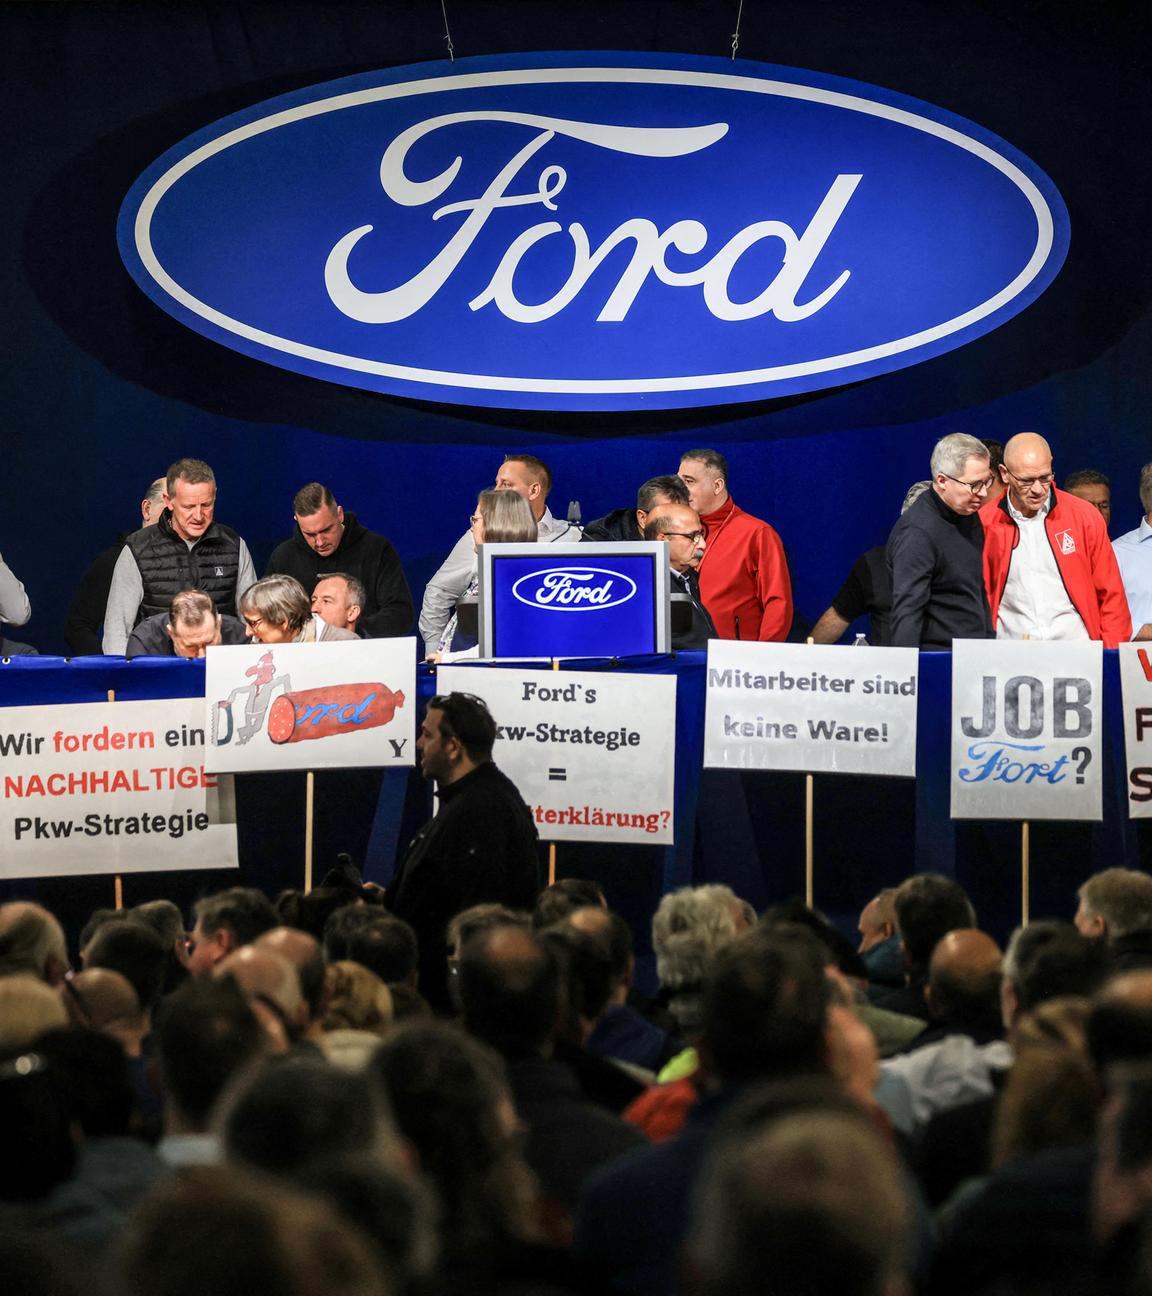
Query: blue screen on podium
573,600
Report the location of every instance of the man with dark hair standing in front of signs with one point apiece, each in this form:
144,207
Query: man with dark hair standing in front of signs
530,479
186,549
329,541
936,550
1048,565
744,579
629,524
480,847
679,526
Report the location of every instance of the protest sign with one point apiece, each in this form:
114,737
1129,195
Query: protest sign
821,708
310,705
1136,699
592,754
110,787
1026,729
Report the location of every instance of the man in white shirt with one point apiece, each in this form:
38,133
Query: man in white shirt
1049,570
1134,554
528,477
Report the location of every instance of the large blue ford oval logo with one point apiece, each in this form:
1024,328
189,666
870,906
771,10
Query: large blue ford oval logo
596,231
574,589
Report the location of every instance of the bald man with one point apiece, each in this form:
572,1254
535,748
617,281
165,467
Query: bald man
1049,568
958,1057
270,984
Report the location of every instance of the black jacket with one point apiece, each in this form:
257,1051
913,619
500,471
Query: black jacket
167,565
620,524
151,637
84,624
369,557
702,629
936,568
481,847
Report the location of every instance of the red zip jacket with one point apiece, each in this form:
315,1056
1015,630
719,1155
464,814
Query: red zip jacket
744,580
1084,559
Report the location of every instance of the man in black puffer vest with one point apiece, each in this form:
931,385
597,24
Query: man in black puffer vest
186,549
327,541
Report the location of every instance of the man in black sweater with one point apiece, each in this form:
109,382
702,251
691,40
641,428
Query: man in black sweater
328,540
480,847
936,553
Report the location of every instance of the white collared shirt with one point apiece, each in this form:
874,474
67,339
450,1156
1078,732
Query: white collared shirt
1035,604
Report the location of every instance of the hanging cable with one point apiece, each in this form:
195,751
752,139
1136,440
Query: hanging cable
448,34
736,33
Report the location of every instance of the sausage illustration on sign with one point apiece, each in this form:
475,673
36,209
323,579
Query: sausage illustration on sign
324,712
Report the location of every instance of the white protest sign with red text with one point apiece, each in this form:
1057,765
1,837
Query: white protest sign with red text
1136,699
110,787
592,754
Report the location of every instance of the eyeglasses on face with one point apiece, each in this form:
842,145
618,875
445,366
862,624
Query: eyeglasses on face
976,487
688,535
1045,479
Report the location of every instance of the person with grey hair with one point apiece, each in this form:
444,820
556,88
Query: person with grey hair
276,610
32,942
338,598
689,928
83,626
629,523
188,629
1133,552
186,549
1115,903
936,553
866,591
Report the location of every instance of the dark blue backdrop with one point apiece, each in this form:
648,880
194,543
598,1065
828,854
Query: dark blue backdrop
101,390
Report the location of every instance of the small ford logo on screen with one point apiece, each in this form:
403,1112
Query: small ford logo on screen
593,231
574,589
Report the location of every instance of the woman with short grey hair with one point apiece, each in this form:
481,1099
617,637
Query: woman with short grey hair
276,610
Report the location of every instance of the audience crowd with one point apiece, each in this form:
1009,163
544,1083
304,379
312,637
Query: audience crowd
258,1098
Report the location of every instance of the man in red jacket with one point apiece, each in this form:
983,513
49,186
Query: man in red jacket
1048,566
744,580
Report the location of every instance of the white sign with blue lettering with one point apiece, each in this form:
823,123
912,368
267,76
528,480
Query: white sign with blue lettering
310,706
592,754
822,708
1026,721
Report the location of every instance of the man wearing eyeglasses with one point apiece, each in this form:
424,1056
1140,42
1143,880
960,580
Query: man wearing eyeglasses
679,526
1048,565
935,553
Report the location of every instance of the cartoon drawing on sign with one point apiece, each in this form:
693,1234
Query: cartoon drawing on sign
258,695
326,712
310,713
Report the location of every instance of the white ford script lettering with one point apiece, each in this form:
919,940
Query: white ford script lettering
565,589
800,251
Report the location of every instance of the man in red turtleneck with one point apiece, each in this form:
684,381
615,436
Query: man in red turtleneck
744,580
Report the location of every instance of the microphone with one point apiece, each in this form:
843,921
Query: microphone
574,514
